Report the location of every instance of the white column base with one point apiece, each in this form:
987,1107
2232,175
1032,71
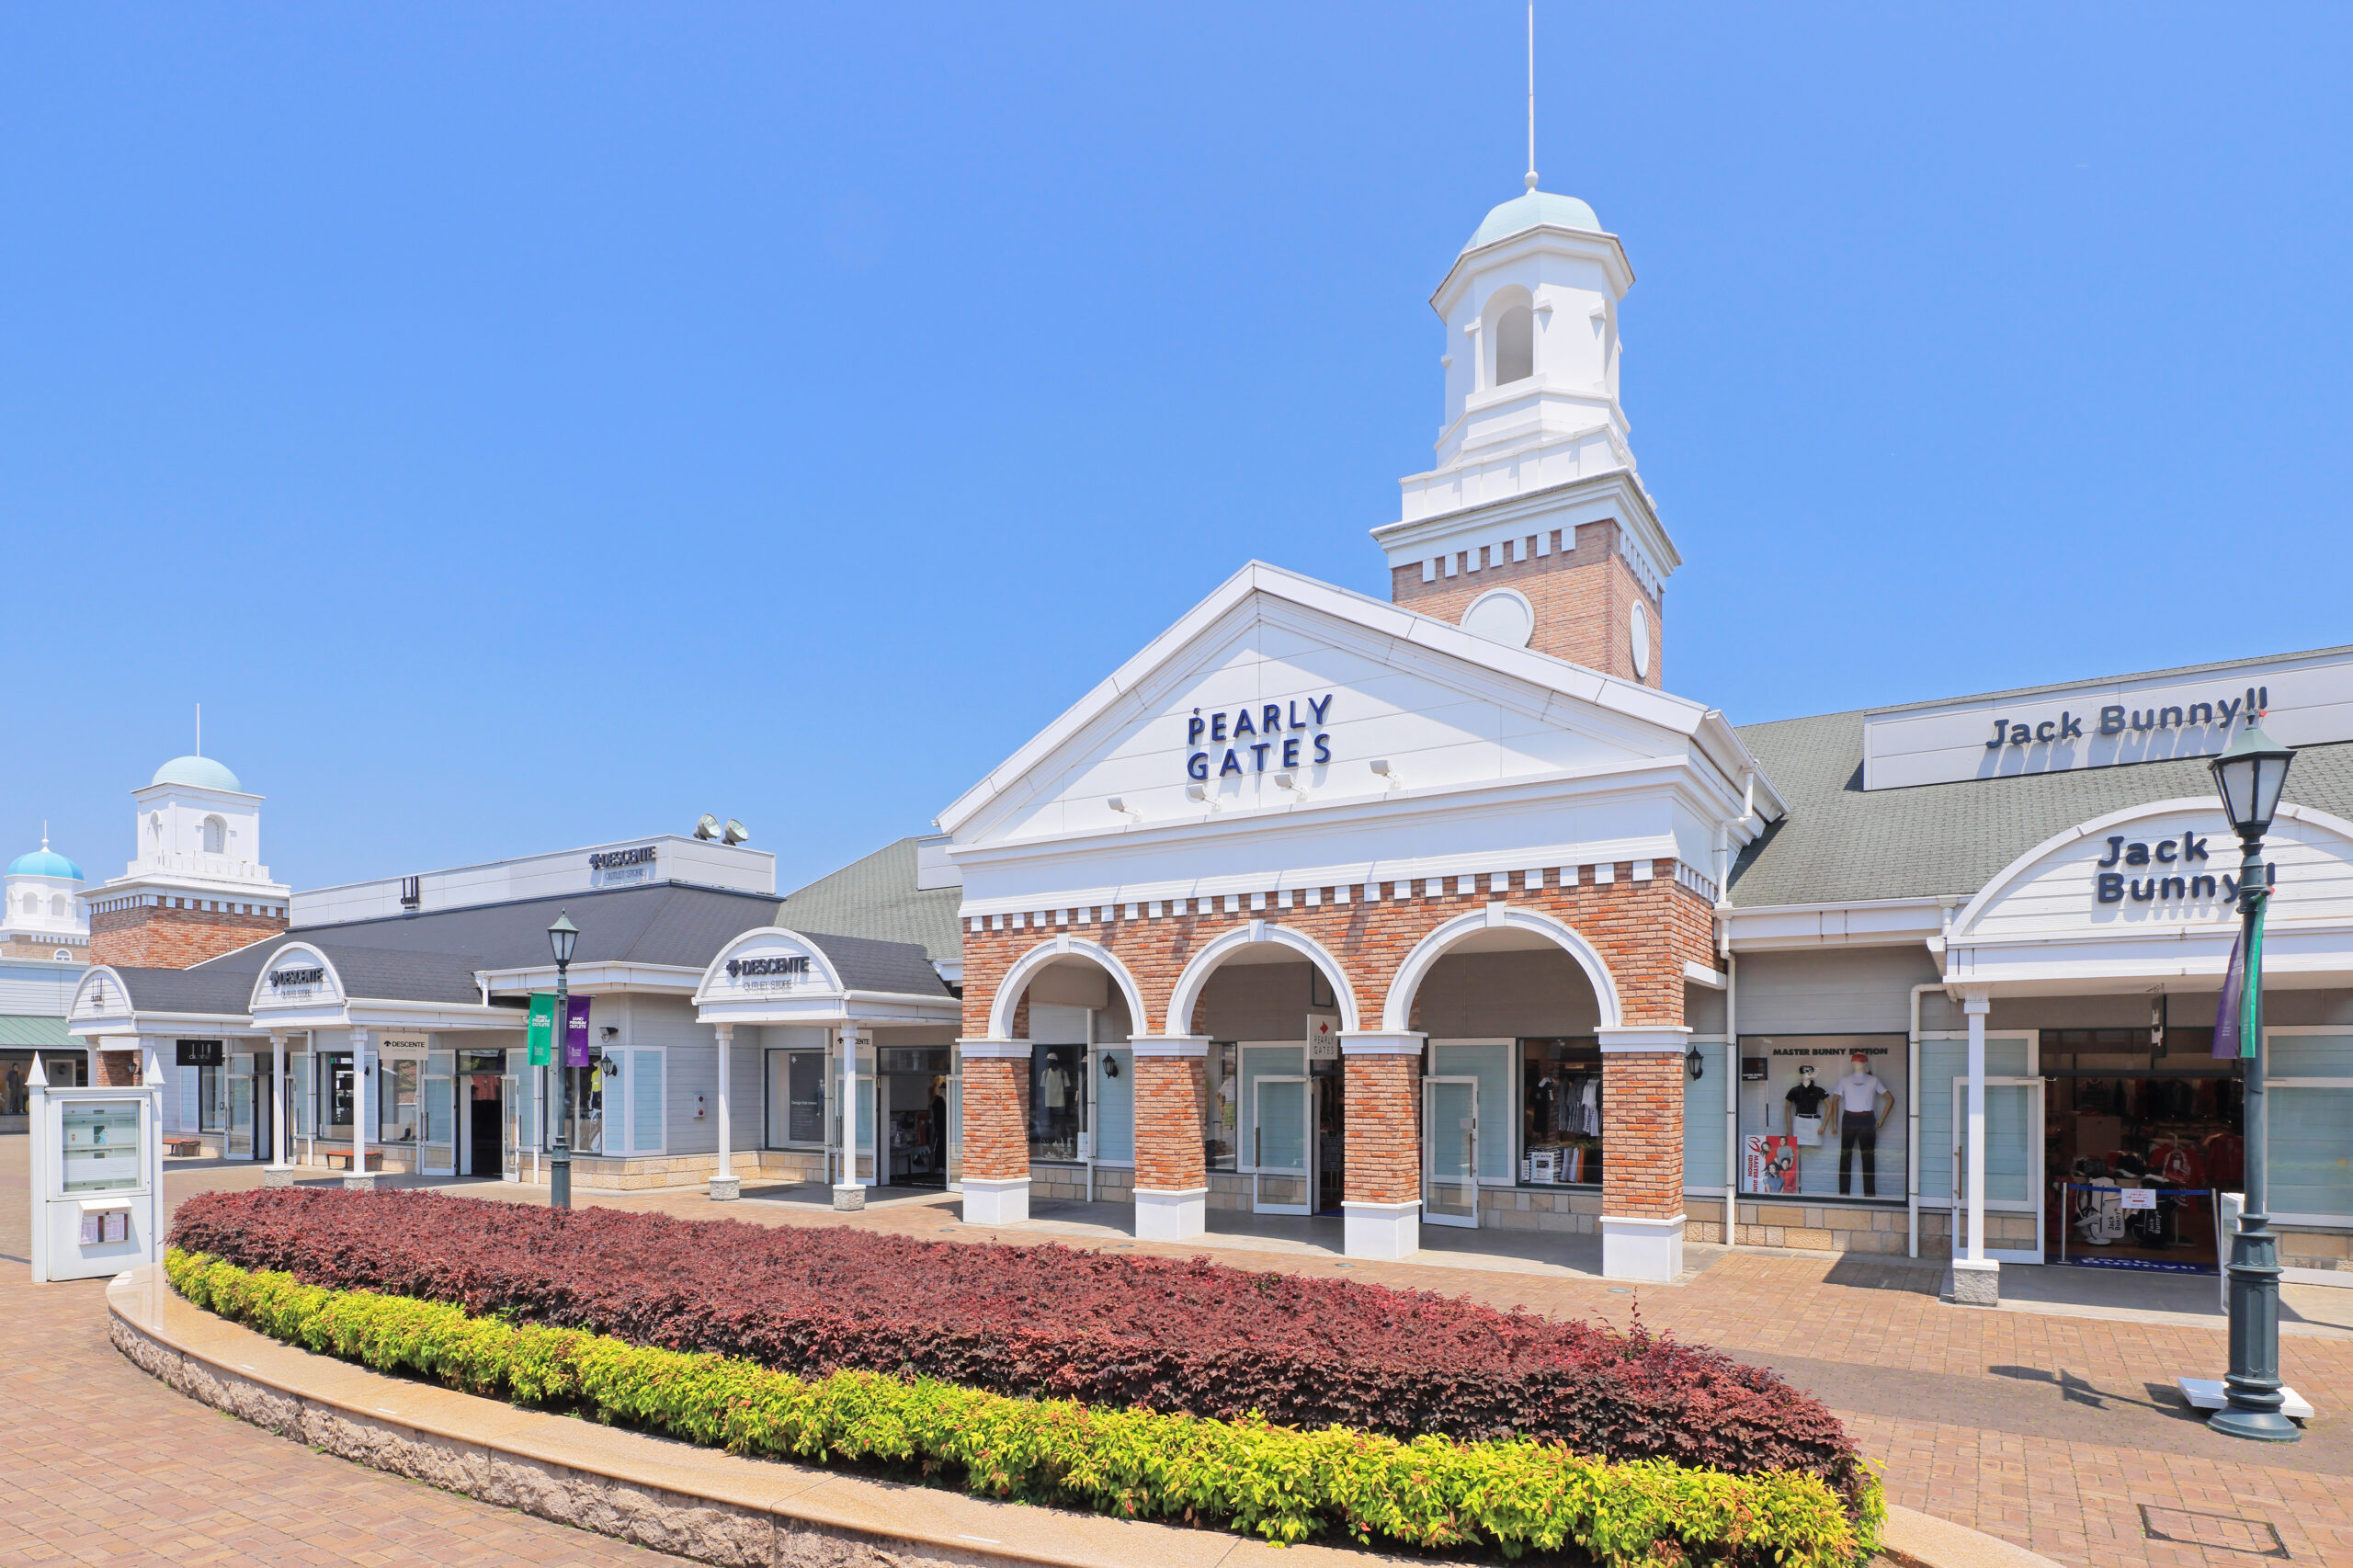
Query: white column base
1171,1216
278,1176
363,1181
1974,1284
1385,1232
726,1188
849,1196
1649,1251
996,1202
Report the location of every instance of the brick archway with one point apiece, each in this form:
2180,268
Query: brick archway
1397,1011
1009,992
1186,993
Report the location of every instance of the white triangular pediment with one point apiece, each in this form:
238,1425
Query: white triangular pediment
1287,694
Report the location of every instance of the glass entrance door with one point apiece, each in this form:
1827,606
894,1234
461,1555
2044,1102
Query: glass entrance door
241,1107
1451,1151
1282,1173
2013,1161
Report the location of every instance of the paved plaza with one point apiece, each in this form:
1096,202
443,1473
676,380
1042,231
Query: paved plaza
2051,1425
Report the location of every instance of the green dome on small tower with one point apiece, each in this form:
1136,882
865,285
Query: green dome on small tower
200,772
1531,210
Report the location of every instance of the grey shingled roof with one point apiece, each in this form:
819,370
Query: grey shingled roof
877,897
223,991
1840,843
865,964
433,957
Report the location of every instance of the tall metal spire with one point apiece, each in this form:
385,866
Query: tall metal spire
1531,94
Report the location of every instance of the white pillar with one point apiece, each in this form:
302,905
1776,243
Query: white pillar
363,1068
723,1185
277,1173
849,1193
1976,1281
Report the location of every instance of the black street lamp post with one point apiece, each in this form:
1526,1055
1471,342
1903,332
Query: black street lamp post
562,937
2249,775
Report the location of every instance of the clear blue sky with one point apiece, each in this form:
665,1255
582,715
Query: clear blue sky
527,425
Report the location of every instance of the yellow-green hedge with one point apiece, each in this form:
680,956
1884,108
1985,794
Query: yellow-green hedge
1273,1482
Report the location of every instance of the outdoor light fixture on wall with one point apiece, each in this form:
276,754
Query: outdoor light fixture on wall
1694,1064
1110,1066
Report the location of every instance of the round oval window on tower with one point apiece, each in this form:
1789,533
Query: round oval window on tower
1502,616
1639,630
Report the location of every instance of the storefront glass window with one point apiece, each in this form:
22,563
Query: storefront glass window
398,1082
212,1099
1704,1132
14,1096
1057,1101
1817,1122
1560,1112
796,1108
1220,1099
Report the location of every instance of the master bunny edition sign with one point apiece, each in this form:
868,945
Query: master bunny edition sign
1292,733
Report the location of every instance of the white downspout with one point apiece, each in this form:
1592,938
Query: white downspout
1732,1098
1912,1122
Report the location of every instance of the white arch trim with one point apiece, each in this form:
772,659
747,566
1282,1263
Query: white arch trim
1065,946
716,969
279,958
1399,1009
2026,864
1196,973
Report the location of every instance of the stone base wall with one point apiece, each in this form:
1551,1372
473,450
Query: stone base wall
2328,1251
1568,1211
1805,1226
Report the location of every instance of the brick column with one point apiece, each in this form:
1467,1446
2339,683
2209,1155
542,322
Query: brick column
1172,1177
996,1078
1641,1166
1382,1200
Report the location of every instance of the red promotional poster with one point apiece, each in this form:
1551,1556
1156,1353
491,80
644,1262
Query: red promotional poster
1769,1163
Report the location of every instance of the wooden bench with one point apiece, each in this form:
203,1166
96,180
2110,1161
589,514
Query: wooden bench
340,1159
183,1148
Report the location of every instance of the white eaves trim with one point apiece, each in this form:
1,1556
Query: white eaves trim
673,980
1715,739
1885,922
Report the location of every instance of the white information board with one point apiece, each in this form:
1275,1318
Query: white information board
98,1176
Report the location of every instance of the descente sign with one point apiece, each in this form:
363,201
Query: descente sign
752,969
281,979
606,861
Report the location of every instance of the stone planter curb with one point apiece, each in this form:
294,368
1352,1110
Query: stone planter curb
700,1503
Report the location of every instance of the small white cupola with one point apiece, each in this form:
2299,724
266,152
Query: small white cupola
1535,475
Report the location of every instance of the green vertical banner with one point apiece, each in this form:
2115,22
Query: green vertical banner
542,1036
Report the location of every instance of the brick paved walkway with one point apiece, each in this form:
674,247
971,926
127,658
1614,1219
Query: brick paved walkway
2060,1433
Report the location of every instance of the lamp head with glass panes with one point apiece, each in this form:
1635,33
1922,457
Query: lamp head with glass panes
2248,775
562,936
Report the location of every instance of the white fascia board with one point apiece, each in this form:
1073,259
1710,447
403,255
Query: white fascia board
669,980
372,1013
1721,745
147,792
1885,922
1677,716
2308,954
1520,826
834,1007
1396,810
189,883
1591,244
163,1023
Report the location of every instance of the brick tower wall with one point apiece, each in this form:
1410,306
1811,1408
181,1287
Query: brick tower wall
1583,596
1641,1168
149,936
1383,1161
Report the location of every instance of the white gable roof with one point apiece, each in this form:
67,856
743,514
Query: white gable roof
1350,680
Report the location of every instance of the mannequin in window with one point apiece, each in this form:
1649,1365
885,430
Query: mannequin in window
1863,1106
1805,1108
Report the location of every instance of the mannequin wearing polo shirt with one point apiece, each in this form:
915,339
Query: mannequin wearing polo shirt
1860,1116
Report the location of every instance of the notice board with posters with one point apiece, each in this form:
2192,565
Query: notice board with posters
1803,1097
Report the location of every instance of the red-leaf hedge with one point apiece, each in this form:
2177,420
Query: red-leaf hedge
1045,1322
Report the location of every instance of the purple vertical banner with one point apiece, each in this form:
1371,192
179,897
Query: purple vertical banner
575,1030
